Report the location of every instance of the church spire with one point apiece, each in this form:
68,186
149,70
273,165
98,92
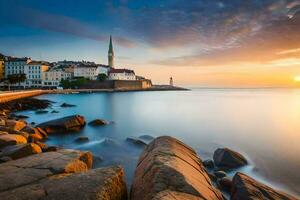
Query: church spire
110,53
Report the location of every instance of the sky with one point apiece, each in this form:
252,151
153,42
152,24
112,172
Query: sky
205,43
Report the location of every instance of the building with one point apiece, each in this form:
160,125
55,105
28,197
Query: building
121,74
32,69
90,71
110,54
53,77
2,67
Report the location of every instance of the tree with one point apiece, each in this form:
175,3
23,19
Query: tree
15,78
73,83
102,77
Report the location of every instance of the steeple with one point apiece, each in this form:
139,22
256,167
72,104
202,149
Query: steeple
110,53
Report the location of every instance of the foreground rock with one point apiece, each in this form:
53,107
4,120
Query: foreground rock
18,173
65,124
98,184
20,150
25,104
246,188
66,105
98,122
169,169
228,159
11,139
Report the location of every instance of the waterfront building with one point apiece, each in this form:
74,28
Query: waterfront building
90,72
121,74
110,54
2,69
53,77
15,65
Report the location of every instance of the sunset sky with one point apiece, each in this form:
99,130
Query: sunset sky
208,43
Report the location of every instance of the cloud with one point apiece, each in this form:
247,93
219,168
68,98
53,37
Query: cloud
58,23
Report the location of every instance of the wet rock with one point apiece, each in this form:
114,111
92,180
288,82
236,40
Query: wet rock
35,134
212,177
43,146
225,184
54,111
11,139
220,174
66,105
228,159
20,150
109,142
32,169
9,130
246,188
147,137
136,142
15,125
63,125
25,104
98,184
98,122
82,139
19,116
41,111
169,169
51,148
209,164
32,123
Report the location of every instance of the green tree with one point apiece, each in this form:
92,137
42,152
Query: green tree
102,77
15,78
73,83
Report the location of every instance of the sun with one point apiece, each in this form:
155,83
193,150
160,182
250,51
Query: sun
297,78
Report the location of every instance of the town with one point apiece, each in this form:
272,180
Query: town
25,73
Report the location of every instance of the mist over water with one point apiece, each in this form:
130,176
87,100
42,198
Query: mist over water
262,124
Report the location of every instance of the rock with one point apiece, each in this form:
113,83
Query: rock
220,174
19,116
32,123
9,130
98,122
15,125
136,142
11,139
212,177
33,169
51,148
228,159
35,134
246,188
43,146
5,159
82,139
109,142
65,105
41,111
169,169
209,164
98,184
146,137
54,111
20,150
225,184
63,125
25,104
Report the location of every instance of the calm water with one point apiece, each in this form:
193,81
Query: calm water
264,125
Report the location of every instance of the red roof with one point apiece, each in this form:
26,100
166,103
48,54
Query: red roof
121,71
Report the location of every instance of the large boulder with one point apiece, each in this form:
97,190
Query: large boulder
65,124
228,159
11,139
98,184
20,150
32,169
169,169
246,188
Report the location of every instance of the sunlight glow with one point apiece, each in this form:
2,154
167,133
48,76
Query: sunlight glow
297,78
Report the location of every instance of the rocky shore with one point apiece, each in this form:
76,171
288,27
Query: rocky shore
167,168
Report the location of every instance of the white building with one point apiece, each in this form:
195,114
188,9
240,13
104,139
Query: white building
121,74
90,71
32,69
52,78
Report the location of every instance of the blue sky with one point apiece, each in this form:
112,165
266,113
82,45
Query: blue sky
158,38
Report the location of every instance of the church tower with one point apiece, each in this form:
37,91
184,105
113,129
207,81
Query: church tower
110,53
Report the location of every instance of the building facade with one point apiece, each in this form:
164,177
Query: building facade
2,70
90,72
52,78
121,74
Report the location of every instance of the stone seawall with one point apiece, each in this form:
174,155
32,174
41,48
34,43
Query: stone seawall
10,96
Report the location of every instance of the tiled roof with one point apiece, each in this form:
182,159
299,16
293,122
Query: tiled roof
121,71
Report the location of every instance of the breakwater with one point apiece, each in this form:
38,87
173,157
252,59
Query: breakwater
10,96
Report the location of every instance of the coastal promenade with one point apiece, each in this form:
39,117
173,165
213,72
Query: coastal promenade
9,96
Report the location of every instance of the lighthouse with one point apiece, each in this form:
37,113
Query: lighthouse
171,81
110,54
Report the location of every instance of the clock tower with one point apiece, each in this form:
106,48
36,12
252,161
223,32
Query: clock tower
110,53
